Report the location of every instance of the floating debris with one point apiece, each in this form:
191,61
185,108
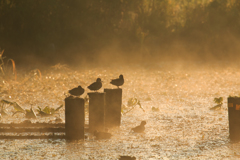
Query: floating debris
27,121
58,120
127,158
219,106
155,109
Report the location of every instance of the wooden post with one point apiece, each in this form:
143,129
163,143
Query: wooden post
113,106
96,111
74,118
234,118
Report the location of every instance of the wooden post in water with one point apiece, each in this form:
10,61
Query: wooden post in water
234,118
113,107
96,111
74,118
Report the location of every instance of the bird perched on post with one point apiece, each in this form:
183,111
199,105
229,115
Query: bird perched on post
96,85
102,135
140,128
118,82
78,91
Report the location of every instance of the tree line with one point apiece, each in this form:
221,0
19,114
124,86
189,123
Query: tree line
60,28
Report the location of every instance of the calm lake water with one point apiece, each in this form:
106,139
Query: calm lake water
183,128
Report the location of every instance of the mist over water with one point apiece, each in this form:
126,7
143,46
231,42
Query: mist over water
183,128
97,32
176,56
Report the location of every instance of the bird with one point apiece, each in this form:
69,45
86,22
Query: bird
127,158
78,91
102,135
140,128
95,85
118,82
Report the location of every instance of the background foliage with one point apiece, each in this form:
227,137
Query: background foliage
59,29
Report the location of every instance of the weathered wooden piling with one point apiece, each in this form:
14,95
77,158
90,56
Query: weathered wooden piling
113,104
74,118
234,118
96,111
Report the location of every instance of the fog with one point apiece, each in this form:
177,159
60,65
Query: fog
176,58
97,32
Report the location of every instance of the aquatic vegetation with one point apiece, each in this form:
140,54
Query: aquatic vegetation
219,102
3,66
132,102
183,129
3,112
29,113
48,111
14,104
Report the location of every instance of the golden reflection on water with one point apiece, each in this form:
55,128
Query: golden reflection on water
183,128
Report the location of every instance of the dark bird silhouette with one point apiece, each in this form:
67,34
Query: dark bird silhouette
96,85
127,158
118,82
102,135
77,91
140,128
